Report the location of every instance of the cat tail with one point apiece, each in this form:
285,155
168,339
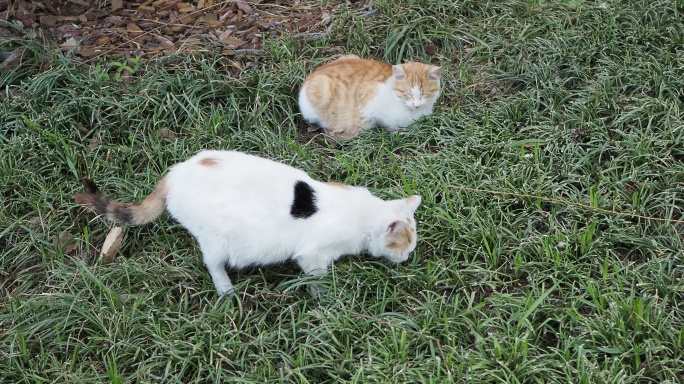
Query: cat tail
140,212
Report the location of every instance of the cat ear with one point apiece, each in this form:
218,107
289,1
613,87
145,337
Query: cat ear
435,73
398,72
396,227
413,202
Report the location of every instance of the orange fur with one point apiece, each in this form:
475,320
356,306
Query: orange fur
339,90
402,239
124,213
338,185
208,162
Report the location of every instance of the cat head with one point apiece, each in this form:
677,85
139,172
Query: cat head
395,234
416,83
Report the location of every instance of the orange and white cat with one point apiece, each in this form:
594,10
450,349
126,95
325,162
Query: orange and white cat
350,95
249,211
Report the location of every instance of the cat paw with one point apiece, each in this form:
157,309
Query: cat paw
224,291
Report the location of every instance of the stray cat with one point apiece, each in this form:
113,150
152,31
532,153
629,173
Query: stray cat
249,211
350,95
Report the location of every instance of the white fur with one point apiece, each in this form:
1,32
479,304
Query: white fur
388,109
239,211
308,112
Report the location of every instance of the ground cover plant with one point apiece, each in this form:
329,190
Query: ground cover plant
573,100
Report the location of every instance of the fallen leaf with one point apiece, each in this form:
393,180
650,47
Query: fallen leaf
325,18
189,40
225,38
90,52
48,21
130,27
70,43
147,24
169,4
146,8
11,59
242,4
112,243
80,2
117,4
304,24
168,134
164,41
225,16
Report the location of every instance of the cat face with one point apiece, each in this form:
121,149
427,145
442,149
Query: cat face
416,83
399,235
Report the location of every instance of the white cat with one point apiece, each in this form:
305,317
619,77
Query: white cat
248,211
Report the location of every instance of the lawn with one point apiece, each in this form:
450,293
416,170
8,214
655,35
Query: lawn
550,109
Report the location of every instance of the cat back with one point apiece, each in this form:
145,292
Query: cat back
249,211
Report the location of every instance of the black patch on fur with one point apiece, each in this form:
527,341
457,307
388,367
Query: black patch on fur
90,186
123,214
100,205
304,203
98,202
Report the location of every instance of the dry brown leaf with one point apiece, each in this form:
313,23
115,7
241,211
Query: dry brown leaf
242,4
48,21
169,4
225,38
90,52
117,4
80,2
146,8
225,16
130,27
112,243
164,41
168,134
70,43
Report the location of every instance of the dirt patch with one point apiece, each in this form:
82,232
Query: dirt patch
113,29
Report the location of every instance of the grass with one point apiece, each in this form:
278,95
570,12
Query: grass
573,100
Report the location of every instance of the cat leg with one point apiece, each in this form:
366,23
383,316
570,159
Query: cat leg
314,265
342,129
215,261
220,278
